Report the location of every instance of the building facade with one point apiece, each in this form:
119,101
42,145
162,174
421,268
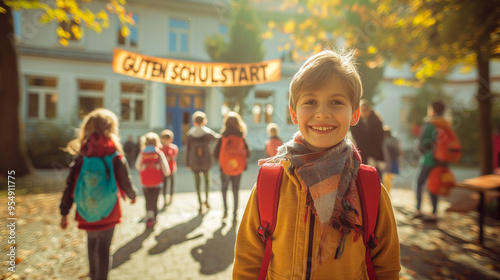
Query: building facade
61,84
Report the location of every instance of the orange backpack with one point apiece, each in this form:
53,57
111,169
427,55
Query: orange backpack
233,155
448,147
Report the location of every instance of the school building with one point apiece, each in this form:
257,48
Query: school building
61,84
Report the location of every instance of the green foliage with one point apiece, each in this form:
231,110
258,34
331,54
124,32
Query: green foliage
45,147
244,46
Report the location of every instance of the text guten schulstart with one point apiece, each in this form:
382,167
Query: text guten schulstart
203,74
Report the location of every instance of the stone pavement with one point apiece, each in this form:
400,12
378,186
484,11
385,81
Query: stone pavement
185,245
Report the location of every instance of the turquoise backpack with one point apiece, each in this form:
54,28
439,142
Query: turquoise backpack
95,193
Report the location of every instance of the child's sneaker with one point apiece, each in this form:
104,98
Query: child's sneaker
149,224
430,218
416,215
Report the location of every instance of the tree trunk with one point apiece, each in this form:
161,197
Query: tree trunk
12,142
484,98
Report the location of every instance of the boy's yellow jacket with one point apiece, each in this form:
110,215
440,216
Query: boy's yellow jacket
291,238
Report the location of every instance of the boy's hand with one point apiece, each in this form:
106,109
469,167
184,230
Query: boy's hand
132,201
64,222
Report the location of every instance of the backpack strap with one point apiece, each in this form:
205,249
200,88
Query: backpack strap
268,191
368,183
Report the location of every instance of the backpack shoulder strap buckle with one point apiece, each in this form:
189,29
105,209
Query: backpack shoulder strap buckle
263,233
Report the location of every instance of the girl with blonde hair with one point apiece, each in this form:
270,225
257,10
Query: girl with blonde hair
97,139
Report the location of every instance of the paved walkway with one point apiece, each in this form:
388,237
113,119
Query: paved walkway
185,245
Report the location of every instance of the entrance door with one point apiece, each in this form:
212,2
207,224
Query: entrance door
181,104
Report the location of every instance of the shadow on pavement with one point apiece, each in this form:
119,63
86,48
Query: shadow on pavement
123,254
176,235
218,253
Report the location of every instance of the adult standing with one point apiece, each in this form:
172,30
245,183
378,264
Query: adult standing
130,151
369,135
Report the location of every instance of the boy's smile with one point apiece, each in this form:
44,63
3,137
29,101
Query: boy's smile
325,115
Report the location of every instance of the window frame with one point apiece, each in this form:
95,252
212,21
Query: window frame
133,96
41,92
127,40
89,93
263,99
178,35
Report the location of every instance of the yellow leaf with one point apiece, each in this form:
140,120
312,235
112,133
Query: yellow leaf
60,32
372,49
289,26
63,41
2,10
125,31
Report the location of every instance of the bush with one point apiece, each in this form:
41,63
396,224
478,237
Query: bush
46,141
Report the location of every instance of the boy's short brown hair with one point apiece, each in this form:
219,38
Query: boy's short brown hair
322,67
167,134
199,117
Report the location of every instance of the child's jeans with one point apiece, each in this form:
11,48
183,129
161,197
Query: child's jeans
235,182
151,195
197,181
422,178
98,245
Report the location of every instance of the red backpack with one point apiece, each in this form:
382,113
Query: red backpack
448,147
268,191
233,155
151,171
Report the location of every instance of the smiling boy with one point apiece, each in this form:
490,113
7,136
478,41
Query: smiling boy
319,227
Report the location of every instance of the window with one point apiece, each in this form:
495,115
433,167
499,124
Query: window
133,38
263,108
91,96
132,102
178,36
72,28
42,97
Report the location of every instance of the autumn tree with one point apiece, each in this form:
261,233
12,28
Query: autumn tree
433,37
244,46
443,35
12,142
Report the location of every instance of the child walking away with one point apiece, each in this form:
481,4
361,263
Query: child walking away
198,156
232,153
392,149
319,226
274,140
153,167
97,176
170,150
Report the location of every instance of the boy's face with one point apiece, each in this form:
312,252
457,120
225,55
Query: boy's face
165,141
325,115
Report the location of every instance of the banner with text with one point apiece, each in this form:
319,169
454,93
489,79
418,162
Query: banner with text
189,73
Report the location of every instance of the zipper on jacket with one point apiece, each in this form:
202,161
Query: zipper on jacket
310,246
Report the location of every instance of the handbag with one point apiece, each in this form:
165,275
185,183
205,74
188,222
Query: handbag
440,181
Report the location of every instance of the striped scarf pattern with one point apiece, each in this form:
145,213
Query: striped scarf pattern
329,178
